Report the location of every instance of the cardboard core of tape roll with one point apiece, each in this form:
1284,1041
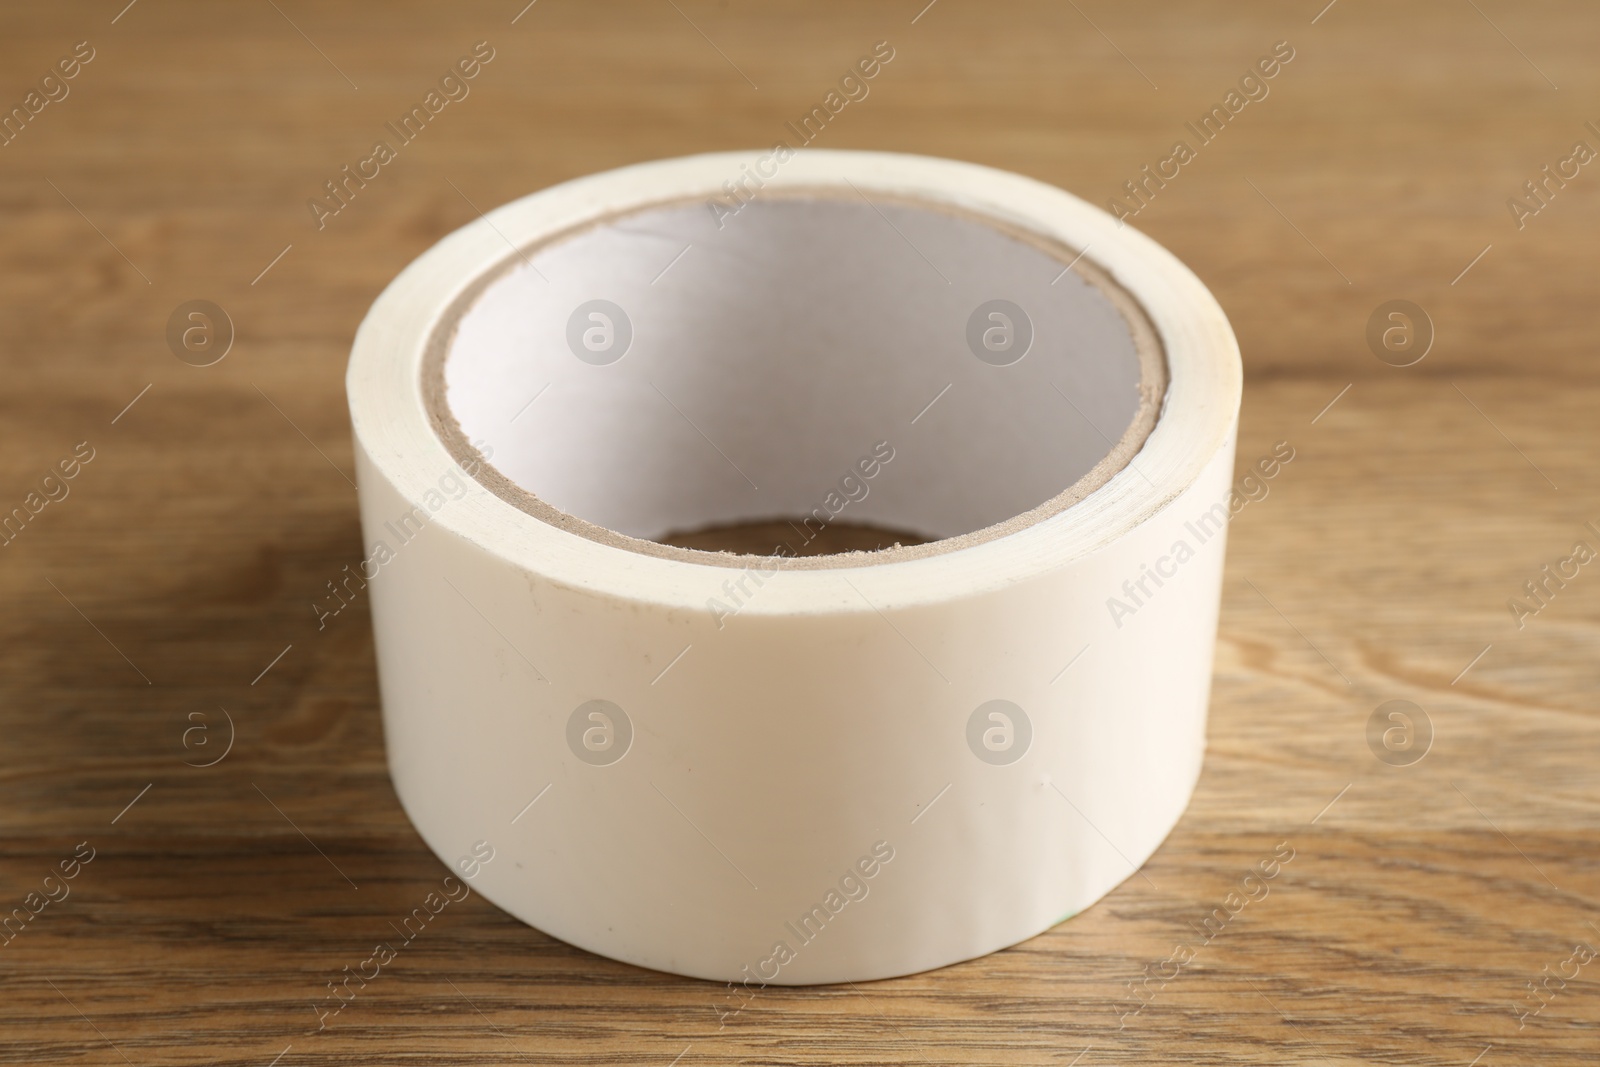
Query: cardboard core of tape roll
835,379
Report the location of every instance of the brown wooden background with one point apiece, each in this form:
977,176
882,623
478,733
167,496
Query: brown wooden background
1417,907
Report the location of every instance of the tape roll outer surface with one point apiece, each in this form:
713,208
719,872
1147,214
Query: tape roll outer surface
877,764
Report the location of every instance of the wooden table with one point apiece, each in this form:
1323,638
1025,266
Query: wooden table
177,577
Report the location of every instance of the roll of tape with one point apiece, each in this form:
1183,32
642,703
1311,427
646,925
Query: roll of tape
784,767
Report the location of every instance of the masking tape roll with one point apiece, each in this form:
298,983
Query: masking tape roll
778,766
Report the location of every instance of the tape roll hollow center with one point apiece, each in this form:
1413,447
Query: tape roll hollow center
818,358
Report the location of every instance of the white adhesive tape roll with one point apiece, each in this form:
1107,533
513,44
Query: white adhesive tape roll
764,769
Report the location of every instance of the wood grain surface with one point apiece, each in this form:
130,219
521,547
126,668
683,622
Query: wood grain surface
175,580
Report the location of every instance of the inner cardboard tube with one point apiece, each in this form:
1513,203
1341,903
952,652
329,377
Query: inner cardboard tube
839,380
